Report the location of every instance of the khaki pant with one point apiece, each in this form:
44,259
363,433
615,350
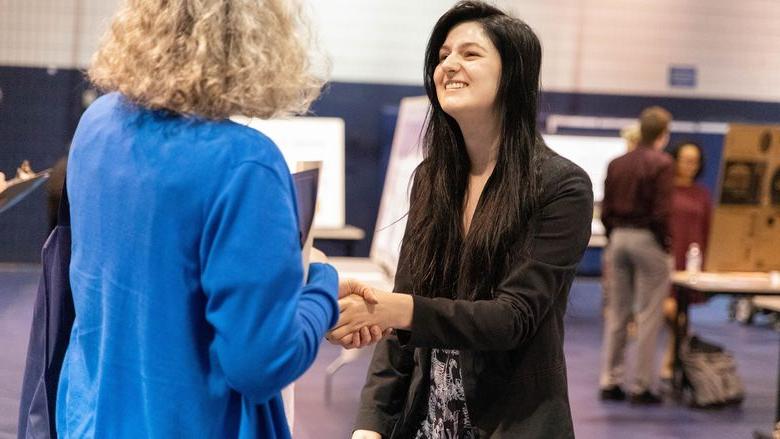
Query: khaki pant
638,283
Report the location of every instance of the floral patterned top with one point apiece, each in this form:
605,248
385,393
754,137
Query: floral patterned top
448,415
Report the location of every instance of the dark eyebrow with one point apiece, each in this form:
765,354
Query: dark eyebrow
464,46
469,44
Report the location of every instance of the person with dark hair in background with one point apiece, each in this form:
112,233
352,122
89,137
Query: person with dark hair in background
497,225
192,310
690,224
635,212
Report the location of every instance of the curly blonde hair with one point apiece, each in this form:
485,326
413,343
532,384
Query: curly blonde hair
210,58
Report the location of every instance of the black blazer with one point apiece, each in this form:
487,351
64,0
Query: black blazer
512,362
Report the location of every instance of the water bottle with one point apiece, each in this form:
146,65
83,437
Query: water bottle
693,260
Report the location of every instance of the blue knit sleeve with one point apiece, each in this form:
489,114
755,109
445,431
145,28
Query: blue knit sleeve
267,323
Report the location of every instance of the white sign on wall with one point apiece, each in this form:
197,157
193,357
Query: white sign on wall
592,154
311,139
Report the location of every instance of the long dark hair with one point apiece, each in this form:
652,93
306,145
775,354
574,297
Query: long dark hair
444,262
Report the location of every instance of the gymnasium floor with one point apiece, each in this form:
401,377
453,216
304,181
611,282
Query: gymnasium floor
755,348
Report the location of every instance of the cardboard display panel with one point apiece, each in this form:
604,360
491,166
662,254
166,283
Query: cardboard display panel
745,232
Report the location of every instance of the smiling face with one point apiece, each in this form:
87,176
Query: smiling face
468,73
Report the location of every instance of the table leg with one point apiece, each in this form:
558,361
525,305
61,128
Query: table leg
777,400
345,357
776,429
680,332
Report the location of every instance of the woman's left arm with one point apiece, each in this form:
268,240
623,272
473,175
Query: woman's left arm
522,299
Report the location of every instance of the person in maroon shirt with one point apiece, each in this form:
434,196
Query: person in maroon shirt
691,202
635,212
690,223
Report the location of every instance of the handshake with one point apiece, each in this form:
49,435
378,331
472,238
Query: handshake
367,315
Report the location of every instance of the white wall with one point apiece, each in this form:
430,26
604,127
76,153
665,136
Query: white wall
377,41
52,33
735,46
598,46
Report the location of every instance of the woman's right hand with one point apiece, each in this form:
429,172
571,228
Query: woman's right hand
366,434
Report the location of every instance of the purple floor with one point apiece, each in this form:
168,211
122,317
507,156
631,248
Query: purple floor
755,348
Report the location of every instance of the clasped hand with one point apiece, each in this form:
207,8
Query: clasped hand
363,318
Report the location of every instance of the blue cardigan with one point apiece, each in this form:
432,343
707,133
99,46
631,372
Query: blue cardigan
191,308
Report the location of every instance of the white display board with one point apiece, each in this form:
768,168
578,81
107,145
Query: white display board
405,155
312,139
592,154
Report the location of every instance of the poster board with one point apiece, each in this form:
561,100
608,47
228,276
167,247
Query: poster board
312,139
745,230
405,154
591,153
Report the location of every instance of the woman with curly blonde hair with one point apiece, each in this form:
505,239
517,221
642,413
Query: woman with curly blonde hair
192,312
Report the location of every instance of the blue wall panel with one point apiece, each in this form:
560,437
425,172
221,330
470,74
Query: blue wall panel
714,110
38,114
369,112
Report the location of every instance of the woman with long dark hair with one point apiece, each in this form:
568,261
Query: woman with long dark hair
689,224
496,227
